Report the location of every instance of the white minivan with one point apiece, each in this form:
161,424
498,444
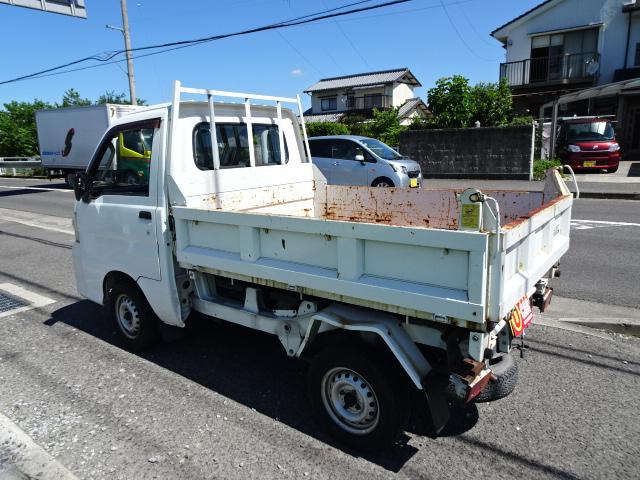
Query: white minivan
356,160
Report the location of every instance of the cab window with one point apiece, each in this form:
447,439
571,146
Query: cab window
233,145
123,163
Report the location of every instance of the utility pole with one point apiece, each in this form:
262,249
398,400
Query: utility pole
127,46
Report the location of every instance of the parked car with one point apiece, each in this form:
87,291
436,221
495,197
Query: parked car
588,143
356,160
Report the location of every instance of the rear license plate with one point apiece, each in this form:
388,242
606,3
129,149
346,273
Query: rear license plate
413,182
521,316
589,163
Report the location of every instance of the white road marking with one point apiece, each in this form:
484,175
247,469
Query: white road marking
33,299
578,224
24,458
44,189
37,220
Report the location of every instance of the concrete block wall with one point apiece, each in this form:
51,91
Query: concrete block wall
499,153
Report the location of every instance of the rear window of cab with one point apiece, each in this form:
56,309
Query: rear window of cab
233,145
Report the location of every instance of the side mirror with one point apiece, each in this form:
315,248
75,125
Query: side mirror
81,188
360,158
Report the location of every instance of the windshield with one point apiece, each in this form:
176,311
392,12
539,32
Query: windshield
592,131
380,149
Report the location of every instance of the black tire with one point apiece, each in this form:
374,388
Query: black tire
365,376
382,182
140,331
506,371
70,179
613,170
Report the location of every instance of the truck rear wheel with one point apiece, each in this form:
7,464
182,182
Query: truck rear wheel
134,319
357,398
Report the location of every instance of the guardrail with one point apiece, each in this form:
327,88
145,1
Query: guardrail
19,162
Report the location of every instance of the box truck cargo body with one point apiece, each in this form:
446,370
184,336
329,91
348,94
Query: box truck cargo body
67,137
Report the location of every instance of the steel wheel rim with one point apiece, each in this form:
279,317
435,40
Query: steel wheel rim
350,401
383,184
128,315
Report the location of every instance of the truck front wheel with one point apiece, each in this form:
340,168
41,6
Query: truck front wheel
134,319
357,398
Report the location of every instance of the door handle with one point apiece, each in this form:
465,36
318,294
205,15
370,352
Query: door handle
144,215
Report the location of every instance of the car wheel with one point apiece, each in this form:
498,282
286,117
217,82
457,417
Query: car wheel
382,182
357,398
505,370
613,170
132,315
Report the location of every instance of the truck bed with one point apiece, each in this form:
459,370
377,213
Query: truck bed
396,250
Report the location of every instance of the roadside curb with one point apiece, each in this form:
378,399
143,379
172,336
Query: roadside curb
610,195
23,458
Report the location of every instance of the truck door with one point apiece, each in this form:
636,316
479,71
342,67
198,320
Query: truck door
117,225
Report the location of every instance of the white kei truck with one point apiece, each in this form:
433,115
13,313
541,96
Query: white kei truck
389,293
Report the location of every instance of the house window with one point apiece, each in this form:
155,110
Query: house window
329,103
562,55
637,62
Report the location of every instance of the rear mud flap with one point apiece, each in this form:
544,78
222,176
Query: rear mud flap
434,386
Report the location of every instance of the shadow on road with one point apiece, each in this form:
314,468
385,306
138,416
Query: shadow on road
634,170
250,368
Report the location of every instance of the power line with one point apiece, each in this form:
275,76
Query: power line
349,40
293,47
107,57
453,25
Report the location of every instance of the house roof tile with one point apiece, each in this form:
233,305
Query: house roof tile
365,79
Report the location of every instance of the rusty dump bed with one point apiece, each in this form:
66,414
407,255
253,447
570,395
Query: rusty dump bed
389,206
399,250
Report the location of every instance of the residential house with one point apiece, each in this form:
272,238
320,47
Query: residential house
333,98
562,46
583,54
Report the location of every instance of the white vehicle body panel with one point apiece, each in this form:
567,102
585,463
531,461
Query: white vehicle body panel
393,251
88,123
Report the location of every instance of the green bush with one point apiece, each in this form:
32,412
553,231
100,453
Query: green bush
319,129
540,166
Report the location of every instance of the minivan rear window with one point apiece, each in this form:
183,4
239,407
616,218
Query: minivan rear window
233,145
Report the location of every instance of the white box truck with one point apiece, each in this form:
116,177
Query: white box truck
67,137
385,291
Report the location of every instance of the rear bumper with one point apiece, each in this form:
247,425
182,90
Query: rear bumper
582,160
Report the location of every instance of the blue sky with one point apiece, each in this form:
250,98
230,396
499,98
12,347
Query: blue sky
417,35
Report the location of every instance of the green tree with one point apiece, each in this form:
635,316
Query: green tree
491,104
72,98
318,129
385,126
450,102
18,136
456,104
121,98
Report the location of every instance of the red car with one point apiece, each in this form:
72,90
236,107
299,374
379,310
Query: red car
588,143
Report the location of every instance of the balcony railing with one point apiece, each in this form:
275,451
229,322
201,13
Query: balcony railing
550,70
369,102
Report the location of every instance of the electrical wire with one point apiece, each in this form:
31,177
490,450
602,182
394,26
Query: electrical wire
455,28
310,18
364,60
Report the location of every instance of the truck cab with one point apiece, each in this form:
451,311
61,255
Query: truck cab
588,144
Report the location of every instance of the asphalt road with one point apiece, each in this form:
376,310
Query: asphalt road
603,262
225,402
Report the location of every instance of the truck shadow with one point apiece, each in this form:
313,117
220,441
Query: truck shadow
250,367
